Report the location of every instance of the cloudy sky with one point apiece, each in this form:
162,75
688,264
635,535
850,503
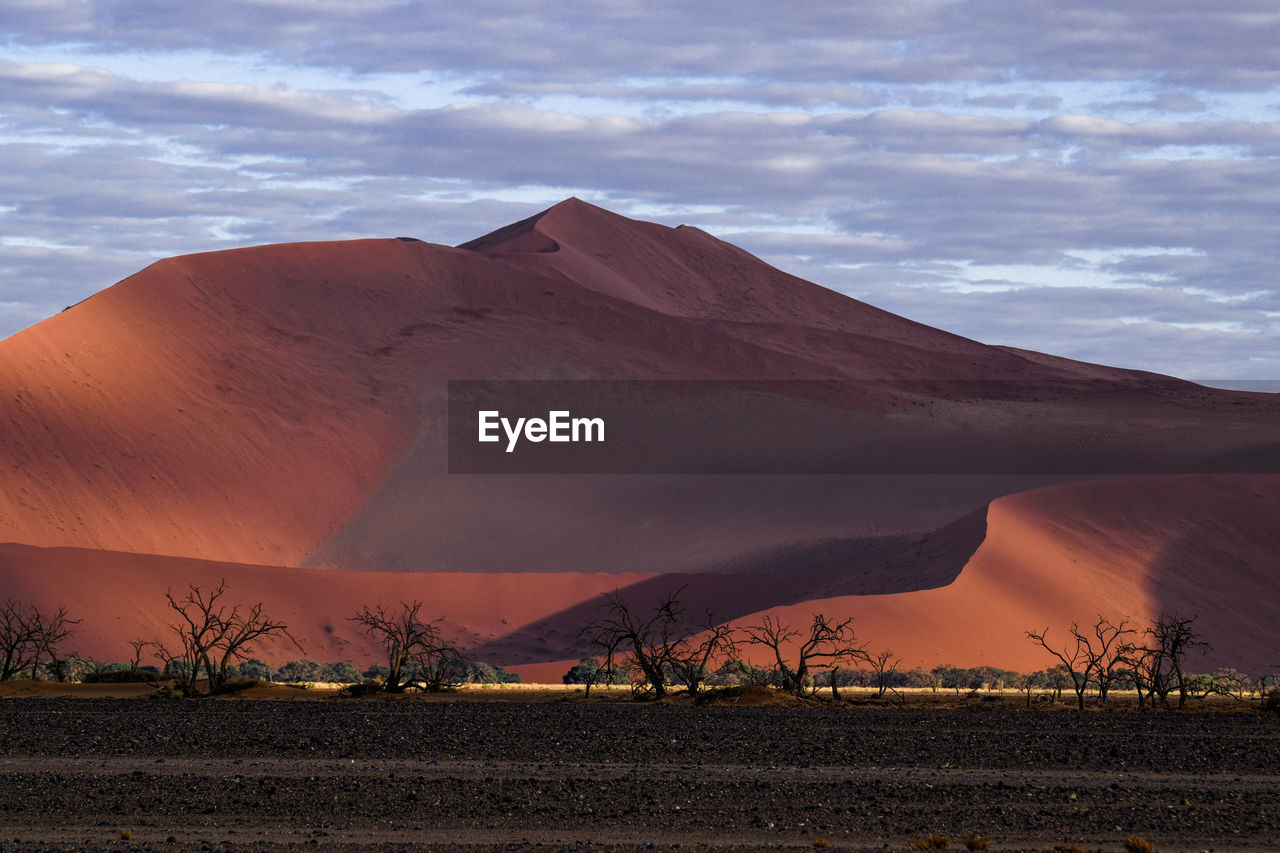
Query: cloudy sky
1095,179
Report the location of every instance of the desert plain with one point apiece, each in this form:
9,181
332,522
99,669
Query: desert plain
543,769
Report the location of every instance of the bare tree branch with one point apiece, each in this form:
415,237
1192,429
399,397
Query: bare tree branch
417,655
658,645
827,642
1092,657
212,637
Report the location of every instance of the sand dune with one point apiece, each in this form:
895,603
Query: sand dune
121,596
1202,546
226,413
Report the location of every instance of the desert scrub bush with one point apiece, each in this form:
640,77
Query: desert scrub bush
1137,844
120,676
976,841
488,674
933,842
235,685
341,672
166,692
365,688
298,671
1271,702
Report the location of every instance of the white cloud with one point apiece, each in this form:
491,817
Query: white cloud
1008,172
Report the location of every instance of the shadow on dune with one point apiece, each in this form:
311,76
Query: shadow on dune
1224,569
783,576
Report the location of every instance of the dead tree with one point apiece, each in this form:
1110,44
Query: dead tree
1073,656
794,652
139,646
644,642
211,637
48,632
1157,666
884,666
16,648
1028,683
657,646
1094,657
692,659
417,654
835,683
1174,636
1151,676
1110,652
31,639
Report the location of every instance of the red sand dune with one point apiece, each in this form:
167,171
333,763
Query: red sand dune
1207,547
121,596
216,414
1202,546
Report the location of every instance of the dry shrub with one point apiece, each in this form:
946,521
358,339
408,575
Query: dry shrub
237,684
1271,702
821,843
975,841
933,842
1137,844
368,687
748,696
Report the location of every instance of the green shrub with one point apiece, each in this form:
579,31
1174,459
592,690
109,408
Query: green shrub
587,671
479,672
341,673
301,670
254,668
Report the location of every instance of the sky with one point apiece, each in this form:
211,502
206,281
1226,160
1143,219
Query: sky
1098,180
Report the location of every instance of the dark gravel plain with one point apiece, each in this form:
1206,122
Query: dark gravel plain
465,775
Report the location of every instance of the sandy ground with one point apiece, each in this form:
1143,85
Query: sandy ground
472,775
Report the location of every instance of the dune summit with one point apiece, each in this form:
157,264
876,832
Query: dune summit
279,416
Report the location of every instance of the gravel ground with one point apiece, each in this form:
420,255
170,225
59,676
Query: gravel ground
360,774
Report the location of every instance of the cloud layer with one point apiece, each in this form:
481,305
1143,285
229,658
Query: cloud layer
1098,180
